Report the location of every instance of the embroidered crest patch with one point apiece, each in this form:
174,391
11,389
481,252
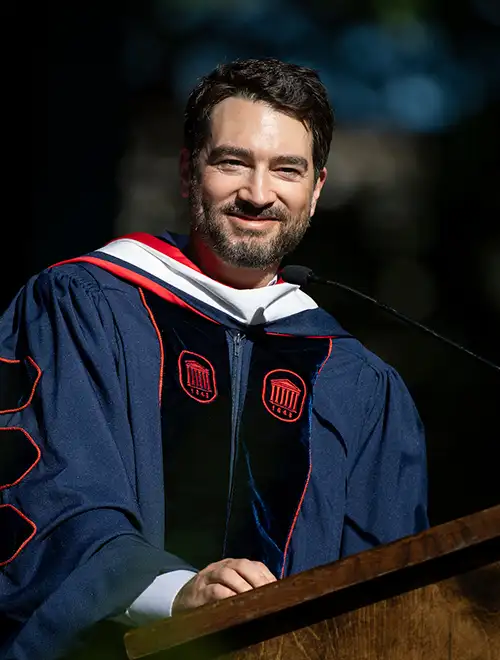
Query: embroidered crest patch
284,394
197,377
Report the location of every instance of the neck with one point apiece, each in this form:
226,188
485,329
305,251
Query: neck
212,266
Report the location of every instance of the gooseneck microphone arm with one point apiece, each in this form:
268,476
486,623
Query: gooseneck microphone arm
302,276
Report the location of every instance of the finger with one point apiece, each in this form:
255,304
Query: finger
266,573
230,578
255,573
215,592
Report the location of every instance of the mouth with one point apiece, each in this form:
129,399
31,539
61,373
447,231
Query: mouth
251,220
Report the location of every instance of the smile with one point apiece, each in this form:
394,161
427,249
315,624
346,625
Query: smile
250,219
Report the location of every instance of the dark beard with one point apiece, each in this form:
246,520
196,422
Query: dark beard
254,251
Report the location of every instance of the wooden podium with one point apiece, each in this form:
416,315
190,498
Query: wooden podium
432,596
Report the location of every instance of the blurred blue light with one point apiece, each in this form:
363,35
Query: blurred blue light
377,52
191,65
271,26
186,16
420,46
368,51
353,100
403,75
247,13
421,103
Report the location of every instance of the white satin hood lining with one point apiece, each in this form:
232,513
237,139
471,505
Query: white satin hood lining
248,306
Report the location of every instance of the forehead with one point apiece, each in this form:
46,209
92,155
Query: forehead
258,127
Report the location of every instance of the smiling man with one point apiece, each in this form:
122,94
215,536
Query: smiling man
253,188
180,425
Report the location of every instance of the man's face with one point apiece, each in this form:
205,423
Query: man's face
254,189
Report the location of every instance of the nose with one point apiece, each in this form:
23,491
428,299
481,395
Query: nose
258,190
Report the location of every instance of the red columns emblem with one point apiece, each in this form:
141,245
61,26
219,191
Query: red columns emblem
197,377
283,394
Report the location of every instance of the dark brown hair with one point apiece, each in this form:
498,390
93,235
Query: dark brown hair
292,89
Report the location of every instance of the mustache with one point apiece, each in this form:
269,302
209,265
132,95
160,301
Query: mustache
251,211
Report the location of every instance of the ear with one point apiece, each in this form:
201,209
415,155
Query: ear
185,171
317,189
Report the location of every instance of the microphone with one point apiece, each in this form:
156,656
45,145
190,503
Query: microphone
301,275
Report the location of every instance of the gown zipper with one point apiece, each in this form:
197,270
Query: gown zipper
236,372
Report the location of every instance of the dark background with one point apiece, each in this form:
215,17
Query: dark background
411,211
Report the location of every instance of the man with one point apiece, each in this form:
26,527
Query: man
180,425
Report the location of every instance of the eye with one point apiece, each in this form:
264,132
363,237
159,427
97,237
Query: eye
290,171
232,162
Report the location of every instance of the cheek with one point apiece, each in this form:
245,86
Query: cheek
218,187
299,201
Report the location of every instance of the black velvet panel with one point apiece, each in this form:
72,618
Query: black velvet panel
207,518
196,425
18,454
17,380
273,461
15,531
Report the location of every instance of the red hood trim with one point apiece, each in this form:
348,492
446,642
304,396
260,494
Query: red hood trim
168,249
161,246
137,279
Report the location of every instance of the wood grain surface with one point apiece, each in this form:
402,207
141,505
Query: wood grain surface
457,619
436,590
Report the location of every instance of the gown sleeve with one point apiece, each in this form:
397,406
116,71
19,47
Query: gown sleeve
72,547
387,478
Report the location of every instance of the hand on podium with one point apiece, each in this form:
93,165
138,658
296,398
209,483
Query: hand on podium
220,580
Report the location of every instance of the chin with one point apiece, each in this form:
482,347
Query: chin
253,233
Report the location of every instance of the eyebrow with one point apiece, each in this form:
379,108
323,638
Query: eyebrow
246,154
300,161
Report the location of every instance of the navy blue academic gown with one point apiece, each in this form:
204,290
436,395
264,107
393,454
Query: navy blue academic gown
145,430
